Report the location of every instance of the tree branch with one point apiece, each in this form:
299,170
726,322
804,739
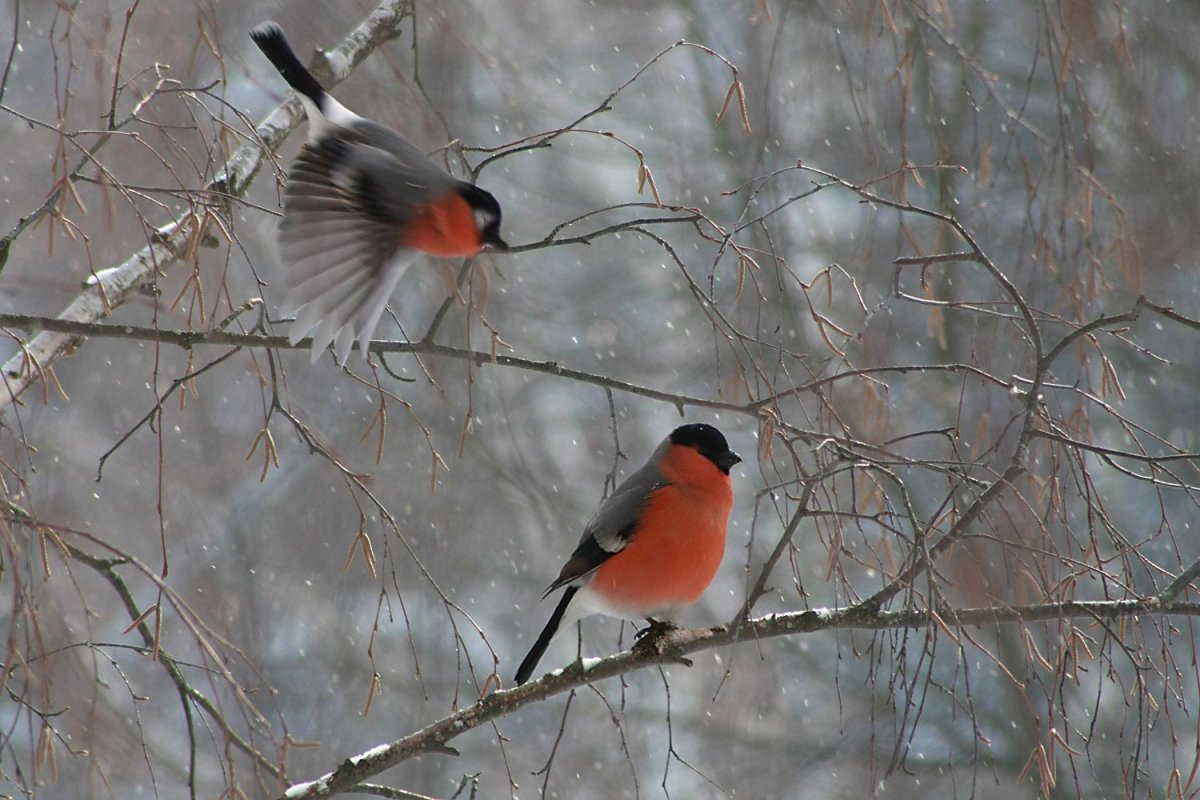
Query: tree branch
672,647
110,288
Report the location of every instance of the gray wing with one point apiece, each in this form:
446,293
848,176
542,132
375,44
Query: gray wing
392,176
612,527
345,206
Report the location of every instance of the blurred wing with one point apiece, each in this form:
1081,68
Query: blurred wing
393,176
343,255
614,523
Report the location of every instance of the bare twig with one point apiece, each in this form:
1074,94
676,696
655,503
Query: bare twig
434,737
114,286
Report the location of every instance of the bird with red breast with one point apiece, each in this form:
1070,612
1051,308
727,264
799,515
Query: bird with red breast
655,544
361,204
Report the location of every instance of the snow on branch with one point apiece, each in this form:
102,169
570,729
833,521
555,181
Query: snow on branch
110,288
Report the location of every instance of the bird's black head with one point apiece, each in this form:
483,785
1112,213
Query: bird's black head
487,214
708,442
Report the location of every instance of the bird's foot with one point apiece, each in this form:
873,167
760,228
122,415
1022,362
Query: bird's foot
655,629
652,638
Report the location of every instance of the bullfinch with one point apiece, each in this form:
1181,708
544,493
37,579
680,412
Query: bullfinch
655,544
361,204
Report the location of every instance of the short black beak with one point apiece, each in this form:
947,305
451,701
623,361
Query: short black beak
727,459
496,243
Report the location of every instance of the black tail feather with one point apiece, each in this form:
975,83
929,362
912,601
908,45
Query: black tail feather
274,45
539,647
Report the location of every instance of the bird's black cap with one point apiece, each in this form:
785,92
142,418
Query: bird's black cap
708,442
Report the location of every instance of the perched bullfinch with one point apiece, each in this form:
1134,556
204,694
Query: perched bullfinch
656,542
361,203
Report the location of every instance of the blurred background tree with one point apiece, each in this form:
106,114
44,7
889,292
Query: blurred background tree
928,265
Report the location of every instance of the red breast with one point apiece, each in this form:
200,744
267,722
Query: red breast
678,542
446,227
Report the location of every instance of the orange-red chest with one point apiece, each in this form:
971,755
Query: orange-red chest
446,227
677,546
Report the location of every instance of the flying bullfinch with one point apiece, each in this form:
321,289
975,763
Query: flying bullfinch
361,204
656,542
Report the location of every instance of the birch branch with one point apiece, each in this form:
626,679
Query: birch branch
672,647
110,288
